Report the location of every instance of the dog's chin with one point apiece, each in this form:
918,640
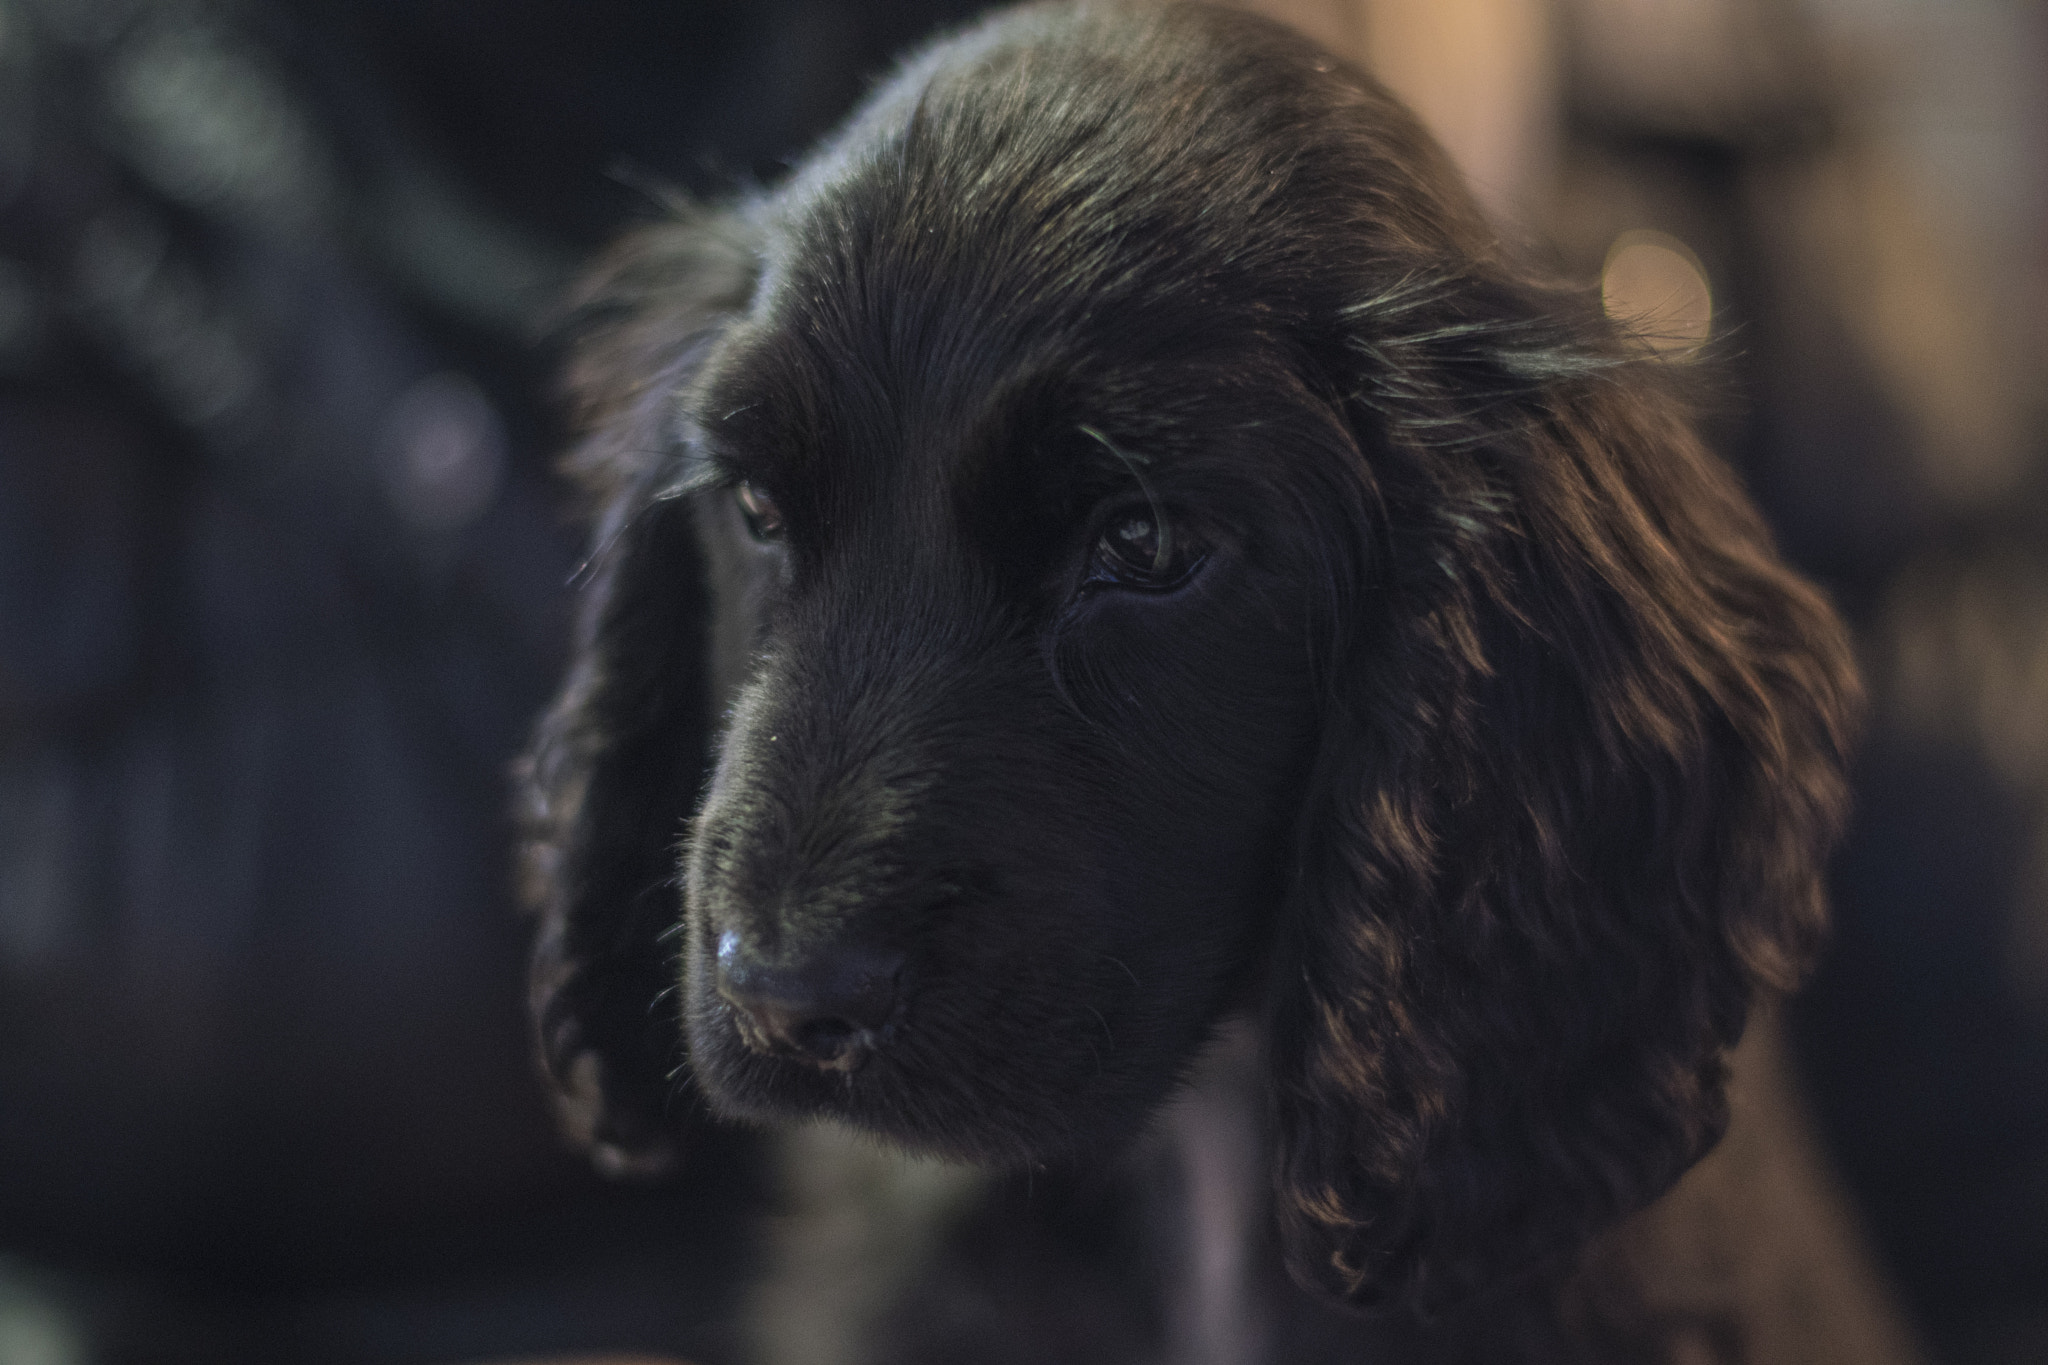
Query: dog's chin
996,1118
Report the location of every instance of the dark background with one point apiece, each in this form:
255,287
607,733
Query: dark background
283,579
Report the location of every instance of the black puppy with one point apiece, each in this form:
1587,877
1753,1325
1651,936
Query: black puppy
1133,556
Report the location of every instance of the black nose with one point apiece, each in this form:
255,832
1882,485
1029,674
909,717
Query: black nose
826,1007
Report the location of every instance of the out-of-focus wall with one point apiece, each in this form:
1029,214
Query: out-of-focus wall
1482,74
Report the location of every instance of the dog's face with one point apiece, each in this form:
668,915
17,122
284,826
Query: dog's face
1162,561
999,822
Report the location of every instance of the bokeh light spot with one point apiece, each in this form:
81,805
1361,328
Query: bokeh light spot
1654,285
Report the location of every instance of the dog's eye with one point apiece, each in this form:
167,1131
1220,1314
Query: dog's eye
764,518
1143,550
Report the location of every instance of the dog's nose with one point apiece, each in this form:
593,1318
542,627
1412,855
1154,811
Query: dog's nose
824,1008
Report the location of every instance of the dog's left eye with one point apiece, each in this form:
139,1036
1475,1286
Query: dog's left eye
764,518
1144,550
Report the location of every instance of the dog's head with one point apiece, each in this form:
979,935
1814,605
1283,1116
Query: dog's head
1161,562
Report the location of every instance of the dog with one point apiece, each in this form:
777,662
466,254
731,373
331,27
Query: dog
1132,650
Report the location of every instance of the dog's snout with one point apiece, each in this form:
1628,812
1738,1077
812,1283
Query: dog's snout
826,1007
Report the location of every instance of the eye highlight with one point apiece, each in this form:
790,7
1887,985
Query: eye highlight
763,517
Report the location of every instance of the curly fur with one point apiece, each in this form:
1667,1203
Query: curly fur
1488,763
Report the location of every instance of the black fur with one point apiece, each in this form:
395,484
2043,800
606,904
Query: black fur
1487,757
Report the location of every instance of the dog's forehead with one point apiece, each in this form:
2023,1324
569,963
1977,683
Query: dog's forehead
1058,230
842,409
993,269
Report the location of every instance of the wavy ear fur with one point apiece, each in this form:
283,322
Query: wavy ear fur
616,763
1581,768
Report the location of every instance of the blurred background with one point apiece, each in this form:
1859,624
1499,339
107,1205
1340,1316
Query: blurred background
283,568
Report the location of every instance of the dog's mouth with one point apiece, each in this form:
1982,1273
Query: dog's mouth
765,1064
828,1044
803,1037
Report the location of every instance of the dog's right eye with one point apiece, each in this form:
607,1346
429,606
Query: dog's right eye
1142,549
763,517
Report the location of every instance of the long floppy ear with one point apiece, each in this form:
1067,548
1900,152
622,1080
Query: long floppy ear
1581,769
617,762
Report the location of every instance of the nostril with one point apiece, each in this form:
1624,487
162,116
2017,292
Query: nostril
825,1007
